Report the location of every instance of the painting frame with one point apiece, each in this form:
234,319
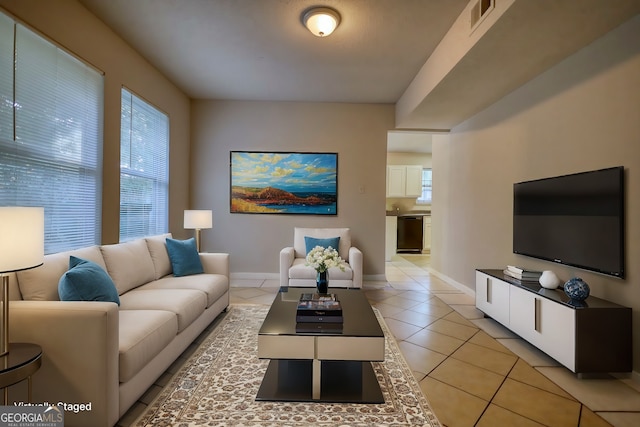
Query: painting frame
283,182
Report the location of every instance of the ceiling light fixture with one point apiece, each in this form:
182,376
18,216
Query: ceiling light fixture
321,21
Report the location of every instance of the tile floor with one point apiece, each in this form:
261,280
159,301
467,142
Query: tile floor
473,371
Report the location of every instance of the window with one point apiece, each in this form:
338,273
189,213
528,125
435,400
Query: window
425,198
50,136
144,169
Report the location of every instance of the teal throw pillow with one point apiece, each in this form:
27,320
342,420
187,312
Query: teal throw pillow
312,242
184,257
86,281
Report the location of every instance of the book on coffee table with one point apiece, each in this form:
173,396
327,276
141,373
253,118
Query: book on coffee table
318,297
321,310
319,327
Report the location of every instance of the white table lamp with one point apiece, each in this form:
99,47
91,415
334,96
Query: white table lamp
21,248
198,220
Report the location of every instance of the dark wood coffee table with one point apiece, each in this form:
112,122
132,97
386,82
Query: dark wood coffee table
319,362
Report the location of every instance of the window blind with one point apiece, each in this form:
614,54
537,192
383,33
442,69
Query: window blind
425,197
6,78
51,137
144,169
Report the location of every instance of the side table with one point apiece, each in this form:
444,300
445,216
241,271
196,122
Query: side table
21,363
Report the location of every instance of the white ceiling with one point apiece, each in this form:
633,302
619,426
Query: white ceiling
382,50
409,142
259,49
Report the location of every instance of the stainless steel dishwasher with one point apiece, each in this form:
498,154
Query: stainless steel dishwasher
410,233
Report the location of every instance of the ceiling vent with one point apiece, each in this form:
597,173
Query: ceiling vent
479,11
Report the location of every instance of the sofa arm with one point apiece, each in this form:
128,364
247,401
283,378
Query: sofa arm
286,261
215,263
355,261
79,342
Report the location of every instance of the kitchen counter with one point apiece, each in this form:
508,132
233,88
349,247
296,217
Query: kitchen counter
410,213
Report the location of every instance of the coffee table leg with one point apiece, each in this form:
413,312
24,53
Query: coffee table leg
316,379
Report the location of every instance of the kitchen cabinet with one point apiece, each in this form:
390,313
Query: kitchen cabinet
396,181
426,234
404,180
591,336
413,187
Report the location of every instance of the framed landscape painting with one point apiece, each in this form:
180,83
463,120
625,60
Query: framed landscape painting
264,182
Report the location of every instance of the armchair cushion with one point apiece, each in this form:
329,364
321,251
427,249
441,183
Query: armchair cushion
312,242
300,271
300,246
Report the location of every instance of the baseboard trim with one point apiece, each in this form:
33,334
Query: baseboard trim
276,276
632,377
255,276
467,290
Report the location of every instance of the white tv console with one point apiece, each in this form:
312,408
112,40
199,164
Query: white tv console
589,337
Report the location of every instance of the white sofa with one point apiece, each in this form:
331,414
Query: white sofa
294,272
100,354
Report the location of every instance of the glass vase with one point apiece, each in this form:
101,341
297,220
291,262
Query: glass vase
322,283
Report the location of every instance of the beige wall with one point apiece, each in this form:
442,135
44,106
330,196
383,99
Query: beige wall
70,25
422,159
357,132
583,114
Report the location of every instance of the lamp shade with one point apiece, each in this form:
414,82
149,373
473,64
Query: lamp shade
198,219
21,238
321,21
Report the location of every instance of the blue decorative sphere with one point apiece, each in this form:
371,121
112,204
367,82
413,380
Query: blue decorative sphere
576,289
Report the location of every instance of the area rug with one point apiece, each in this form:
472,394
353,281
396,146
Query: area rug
217,386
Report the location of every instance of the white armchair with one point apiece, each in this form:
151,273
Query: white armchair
294,272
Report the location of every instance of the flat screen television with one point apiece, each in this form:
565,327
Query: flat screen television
576,219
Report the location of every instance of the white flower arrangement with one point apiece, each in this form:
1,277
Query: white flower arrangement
322,259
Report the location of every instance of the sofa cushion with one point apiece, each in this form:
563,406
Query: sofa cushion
129,264
312,242
214,285
142,335
184,257
300,271
41,283
157,246
322,233
86,281
187,304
